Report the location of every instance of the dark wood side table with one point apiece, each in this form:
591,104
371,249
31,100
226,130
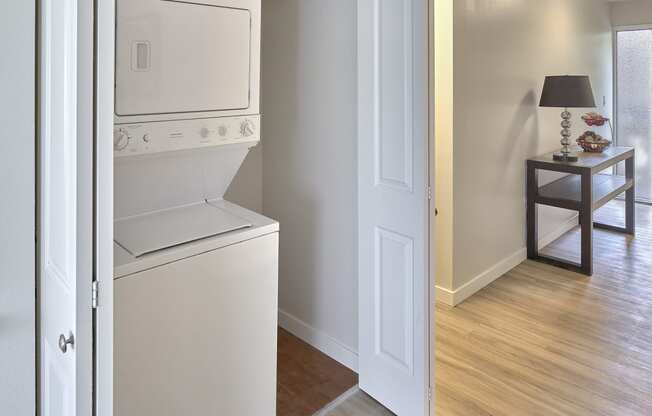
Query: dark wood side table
585,190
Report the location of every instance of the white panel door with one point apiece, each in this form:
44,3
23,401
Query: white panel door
65,207
395,325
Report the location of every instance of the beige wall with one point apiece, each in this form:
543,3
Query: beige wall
444,142
502,52
631,13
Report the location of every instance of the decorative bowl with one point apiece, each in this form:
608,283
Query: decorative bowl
593,143
594,119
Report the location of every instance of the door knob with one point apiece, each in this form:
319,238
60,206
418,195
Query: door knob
64,342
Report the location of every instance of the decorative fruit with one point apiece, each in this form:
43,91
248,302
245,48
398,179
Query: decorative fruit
594,119
593,142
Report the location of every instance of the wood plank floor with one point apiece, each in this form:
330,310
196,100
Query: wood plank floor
308,380
545,341
358,403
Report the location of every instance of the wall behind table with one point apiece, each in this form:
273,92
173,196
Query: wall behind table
17,209
502,52
631,13
309,101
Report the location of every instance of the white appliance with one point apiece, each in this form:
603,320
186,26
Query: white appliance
196,277
195,324
186,59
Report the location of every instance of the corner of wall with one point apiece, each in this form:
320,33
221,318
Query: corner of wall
444,142
456,296
318,339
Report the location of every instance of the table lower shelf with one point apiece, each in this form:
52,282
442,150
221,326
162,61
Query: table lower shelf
567,191
559,262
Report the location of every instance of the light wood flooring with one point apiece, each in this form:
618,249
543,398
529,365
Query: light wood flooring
545,341
355,403
308,380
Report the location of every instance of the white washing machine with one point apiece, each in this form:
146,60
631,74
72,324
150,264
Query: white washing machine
195,323
196,277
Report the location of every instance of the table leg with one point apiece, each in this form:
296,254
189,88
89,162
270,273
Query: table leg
531,213
586,220
630,196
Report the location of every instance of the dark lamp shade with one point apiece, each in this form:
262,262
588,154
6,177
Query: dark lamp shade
567,92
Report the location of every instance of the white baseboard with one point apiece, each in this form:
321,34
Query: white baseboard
323,342
459,295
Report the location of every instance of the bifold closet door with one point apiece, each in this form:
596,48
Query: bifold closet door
65,207
394,293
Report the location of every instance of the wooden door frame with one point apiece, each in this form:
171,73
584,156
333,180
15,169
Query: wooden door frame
432,208
104,96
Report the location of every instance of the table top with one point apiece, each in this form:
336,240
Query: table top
586,160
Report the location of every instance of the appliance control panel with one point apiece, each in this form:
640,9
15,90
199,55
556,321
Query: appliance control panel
169,136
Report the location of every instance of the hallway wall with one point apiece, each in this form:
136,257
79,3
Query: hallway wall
502,52
631,13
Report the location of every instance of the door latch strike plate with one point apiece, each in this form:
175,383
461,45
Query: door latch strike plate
94,294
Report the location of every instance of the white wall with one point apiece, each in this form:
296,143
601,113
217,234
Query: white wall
247,186
17,251
631,13
309,130
502,52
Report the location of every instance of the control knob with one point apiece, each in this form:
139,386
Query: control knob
120,139
247,128
204,133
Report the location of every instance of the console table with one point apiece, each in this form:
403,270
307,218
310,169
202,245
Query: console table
584,190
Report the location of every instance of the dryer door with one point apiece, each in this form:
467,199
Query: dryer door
182,57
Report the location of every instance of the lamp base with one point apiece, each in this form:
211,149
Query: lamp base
565,157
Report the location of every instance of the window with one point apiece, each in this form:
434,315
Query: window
634,102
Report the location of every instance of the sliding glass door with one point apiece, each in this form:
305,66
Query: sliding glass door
634,102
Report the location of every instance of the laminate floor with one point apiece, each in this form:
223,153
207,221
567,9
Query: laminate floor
545,341
308,380
356,403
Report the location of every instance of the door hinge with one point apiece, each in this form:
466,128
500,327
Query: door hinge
429,394
429,193
94,294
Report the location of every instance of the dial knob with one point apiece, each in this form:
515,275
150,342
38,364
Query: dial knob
120,139
204,132
222,130
247,128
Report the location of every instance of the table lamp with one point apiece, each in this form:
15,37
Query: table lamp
568,91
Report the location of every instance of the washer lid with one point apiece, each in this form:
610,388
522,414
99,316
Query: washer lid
158,230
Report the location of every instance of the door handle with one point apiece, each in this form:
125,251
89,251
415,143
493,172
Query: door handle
64,342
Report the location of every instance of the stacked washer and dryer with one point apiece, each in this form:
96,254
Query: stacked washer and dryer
196,277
